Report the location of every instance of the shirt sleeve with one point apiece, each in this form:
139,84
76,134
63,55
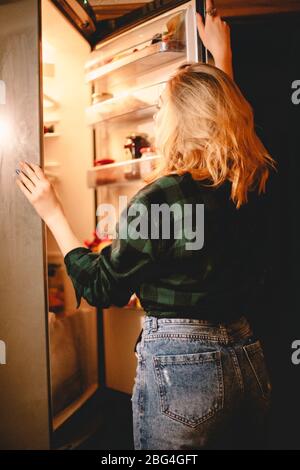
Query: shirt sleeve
112,276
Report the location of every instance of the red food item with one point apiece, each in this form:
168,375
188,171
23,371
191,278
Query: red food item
97,243
103,161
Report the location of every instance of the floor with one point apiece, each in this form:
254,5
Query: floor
105,423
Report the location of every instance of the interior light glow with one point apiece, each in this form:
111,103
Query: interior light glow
5,130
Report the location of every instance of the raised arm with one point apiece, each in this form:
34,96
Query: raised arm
215,35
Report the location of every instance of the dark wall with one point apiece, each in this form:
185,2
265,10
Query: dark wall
266,62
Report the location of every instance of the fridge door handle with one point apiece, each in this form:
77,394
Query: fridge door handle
202,51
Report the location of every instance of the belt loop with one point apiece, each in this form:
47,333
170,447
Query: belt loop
154,325
224,334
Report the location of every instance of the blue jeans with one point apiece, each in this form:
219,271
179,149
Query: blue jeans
199,385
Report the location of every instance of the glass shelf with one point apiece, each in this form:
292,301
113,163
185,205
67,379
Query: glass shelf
140,103
141,114
139,62
123,172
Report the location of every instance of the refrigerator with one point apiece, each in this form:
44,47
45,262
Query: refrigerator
73,96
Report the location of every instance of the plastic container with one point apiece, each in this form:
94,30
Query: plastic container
148,165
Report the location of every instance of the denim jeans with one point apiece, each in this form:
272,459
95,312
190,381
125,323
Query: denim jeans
199,385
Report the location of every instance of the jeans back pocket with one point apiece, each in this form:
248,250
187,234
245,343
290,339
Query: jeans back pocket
190,386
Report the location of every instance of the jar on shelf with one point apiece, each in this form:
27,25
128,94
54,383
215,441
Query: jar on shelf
148,165
133,145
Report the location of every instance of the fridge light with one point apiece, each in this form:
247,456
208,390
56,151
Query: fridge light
2,92
5,128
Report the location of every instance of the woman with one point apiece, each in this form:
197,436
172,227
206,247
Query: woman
201,378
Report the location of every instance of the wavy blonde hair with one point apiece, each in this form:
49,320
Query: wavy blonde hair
207,128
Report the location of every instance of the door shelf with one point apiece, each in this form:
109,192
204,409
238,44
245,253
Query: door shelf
52,170
139,62
51,134
123,172
49,103
137,103
48,122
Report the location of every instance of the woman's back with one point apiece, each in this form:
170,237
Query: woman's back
219,280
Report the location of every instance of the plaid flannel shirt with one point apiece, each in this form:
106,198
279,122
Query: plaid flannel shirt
214,282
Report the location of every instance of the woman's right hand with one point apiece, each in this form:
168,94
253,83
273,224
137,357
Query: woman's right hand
215,35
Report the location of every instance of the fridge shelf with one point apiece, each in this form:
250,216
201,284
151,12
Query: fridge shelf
140,61
120,173
51,134
140,114
139,102
49,102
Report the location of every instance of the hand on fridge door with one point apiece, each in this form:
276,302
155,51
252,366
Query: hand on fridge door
38,190
215,35
40,193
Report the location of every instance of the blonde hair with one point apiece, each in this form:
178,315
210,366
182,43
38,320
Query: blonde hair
207,128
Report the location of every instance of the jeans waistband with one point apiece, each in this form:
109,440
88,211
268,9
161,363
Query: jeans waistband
223,332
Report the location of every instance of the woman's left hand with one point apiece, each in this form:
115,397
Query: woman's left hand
215,36
214,33
38,190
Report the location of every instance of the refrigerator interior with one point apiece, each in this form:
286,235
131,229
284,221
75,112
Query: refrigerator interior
133,81
93,100
68,152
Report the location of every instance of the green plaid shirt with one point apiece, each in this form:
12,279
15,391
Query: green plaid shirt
215,282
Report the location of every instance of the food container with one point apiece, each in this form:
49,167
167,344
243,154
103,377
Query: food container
103,161
133,145
99,97
106,175
148,165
